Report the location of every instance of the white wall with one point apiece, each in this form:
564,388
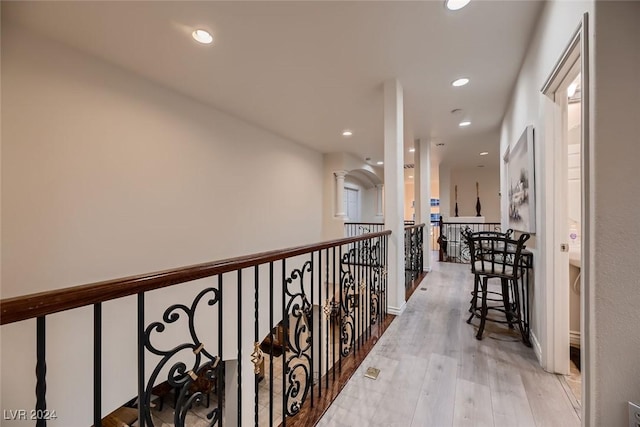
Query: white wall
612,366
446,200
409,200
361,174
616,203
488,179
106,175
557,24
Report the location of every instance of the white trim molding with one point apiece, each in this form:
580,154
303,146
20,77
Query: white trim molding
536,347
574,338
395,310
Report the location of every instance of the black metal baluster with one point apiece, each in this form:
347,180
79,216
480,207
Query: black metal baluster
356,293
338,317
256,340
220,373
386,275
41,371
365,298
310,319
141,374
285,325
239,347
327,319
97,365
271,344
319,353
341,290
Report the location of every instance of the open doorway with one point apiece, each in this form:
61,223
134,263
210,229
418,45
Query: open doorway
572,143
566,243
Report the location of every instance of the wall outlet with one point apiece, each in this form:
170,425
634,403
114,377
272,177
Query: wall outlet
634,415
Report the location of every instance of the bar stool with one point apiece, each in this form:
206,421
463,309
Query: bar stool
496,255
466,233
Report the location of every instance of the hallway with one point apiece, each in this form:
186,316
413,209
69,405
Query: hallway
433,372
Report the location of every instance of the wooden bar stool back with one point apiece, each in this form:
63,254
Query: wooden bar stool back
496,255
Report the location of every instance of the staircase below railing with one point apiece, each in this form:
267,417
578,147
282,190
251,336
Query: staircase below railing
266,334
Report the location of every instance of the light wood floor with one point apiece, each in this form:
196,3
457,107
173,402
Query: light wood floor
433,372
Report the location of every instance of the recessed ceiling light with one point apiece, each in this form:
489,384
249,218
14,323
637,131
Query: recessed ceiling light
460,82
380,163
484,153
456,4
410,176
412,150
465,123
202,36
347,133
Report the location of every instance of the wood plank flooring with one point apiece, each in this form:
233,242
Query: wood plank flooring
435,373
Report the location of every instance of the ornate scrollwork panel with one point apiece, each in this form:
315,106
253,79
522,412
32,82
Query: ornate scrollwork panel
191,360
298,335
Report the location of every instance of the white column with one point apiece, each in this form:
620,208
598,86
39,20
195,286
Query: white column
423,194
379,206
340,212
394,191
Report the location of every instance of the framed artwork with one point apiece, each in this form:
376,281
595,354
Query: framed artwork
519,165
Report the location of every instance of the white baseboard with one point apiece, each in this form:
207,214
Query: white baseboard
574,338
536,347
427,269
397,311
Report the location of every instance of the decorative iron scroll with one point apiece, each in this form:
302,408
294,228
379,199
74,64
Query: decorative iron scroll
375,286
297,320
347,299
364,256
181,374
413,253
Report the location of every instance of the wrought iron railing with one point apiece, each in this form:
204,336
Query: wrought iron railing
452,247
279,324
352,229
413,252
413,244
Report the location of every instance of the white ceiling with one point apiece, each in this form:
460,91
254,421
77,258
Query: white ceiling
308,70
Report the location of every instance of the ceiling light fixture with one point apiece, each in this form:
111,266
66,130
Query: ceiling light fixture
347,133
484,153
460,82
202,36
410,176
465,123
380,163
412,150
456,4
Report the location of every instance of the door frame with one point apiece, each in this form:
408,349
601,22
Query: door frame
555,352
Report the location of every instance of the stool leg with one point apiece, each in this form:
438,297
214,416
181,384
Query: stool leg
483,314
517,309
505,301
474,298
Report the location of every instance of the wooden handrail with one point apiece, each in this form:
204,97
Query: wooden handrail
471,223
44,303
409,227
364,223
